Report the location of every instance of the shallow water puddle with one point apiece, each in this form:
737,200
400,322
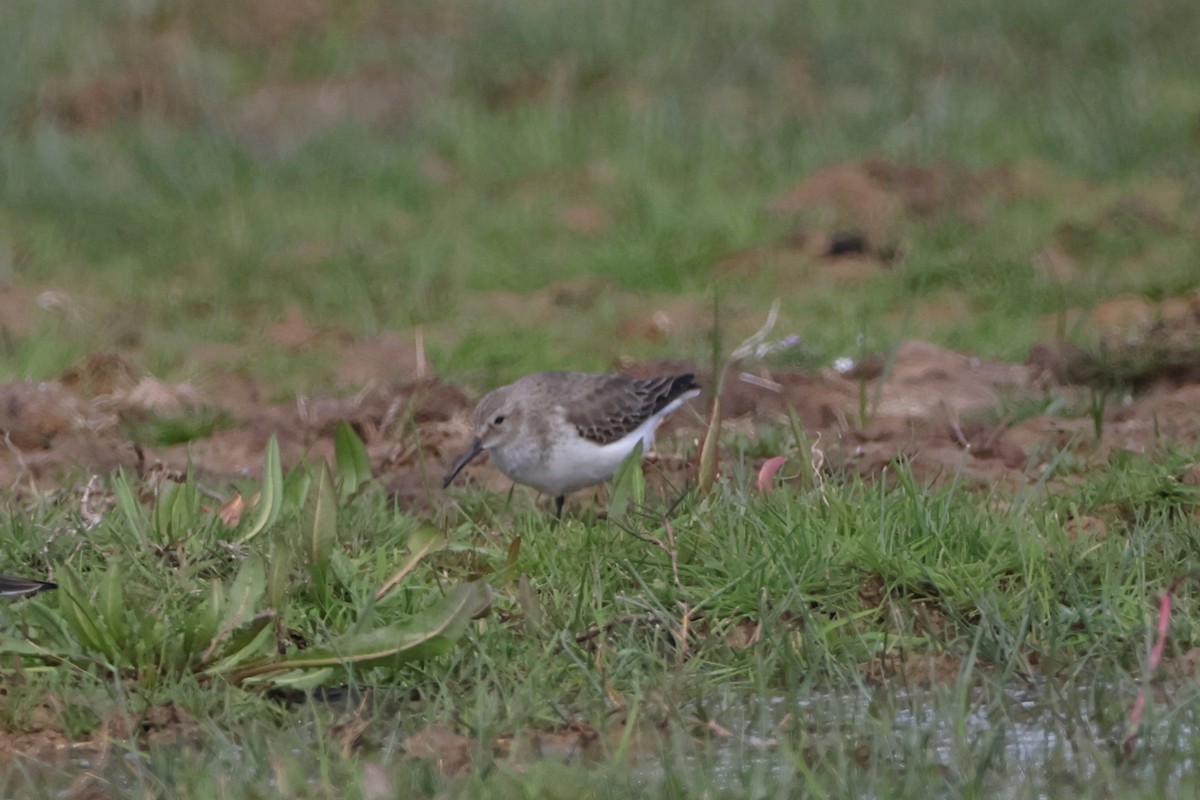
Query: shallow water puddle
1015,742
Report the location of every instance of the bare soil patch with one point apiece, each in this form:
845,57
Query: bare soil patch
947,415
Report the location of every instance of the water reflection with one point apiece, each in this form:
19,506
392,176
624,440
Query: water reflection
1004,742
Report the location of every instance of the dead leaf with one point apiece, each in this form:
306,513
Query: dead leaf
375,783
744,634
451,752
1087,528
766,474
231,510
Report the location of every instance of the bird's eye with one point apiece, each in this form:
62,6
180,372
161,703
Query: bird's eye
499,419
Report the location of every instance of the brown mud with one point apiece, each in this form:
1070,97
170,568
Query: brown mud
949,416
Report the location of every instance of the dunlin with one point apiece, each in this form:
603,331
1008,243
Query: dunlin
12,586
562,431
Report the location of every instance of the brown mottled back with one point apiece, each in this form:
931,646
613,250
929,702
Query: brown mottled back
618,404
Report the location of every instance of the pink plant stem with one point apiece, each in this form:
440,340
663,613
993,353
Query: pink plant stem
1152,665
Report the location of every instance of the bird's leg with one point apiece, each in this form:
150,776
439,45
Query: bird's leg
558,504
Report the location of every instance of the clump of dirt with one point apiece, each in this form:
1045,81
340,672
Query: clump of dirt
277,119
101,416
33,415
852,218
146,91
916,671
450,751
858,207
42,737
259,24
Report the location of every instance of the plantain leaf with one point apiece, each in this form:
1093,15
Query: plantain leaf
54,638
279,573
110,605
175,513
427,634
322,534
163,511
296,486
11,646
244,594
629,485
247,589
350,456
270,498
209,620
77,609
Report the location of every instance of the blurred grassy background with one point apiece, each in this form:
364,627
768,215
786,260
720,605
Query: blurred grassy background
176,177
279,189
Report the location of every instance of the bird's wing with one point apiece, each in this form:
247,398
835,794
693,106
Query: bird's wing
617,405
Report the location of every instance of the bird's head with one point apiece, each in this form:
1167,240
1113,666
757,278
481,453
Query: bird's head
497,421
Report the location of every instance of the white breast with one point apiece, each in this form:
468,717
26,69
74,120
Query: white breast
577,462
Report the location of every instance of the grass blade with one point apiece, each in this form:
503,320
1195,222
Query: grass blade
708,451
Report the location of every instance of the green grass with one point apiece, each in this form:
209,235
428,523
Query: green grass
678,121
176,238
585,629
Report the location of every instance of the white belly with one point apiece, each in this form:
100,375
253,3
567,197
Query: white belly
575,463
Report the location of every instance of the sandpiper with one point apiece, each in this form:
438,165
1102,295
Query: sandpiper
12,586
562,431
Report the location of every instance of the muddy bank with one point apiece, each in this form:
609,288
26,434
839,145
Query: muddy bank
950,415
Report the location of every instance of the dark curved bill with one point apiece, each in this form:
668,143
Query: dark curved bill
474,450
12,586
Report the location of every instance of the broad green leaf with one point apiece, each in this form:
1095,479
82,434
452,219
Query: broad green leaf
322,533
247,589
176,511
110,605
279,573
11,646
426,539
296,485
629,485
213,610
350,456
164,511
57,639
270,498
427,634
79,613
